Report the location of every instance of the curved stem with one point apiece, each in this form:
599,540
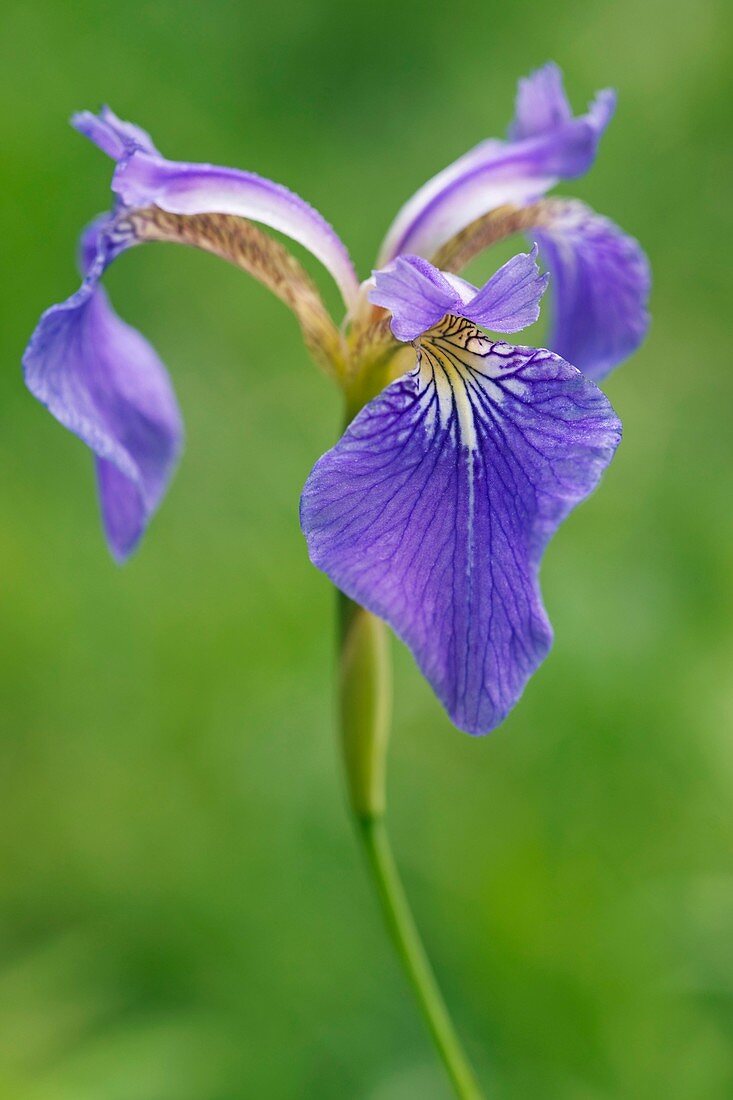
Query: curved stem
365,706
414,959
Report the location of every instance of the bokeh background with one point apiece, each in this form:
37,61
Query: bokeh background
184,914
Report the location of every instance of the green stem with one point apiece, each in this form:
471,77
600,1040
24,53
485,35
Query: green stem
365,699
414,959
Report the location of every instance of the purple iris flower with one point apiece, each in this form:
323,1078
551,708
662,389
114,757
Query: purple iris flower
433,509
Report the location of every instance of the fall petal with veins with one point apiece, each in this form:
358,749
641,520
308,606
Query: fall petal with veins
433,509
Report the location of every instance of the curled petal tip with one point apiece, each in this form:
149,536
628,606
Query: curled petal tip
92,127
541,103
603,108
115,137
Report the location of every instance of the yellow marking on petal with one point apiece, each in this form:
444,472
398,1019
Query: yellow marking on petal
457,360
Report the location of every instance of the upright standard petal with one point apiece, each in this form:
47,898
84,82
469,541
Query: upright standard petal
105,383
546,145
434,508
600,287
415,293
418,295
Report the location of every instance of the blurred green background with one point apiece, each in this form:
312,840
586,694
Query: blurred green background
184,914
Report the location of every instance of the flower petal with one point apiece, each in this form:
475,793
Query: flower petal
143,178
113,136
105,383
600,287
546,145
541,103
510,300
418,295
433,509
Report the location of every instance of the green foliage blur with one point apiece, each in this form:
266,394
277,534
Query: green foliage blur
184,913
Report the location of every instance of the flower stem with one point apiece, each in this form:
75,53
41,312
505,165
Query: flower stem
414,959
365,699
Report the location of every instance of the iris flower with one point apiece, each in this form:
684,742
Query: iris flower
433,509
463,452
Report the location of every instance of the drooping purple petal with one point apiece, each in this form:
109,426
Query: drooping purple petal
105,383
434,508
143,178
600,285
418,295
546,145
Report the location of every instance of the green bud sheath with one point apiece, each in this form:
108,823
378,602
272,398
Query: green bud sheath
365,700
